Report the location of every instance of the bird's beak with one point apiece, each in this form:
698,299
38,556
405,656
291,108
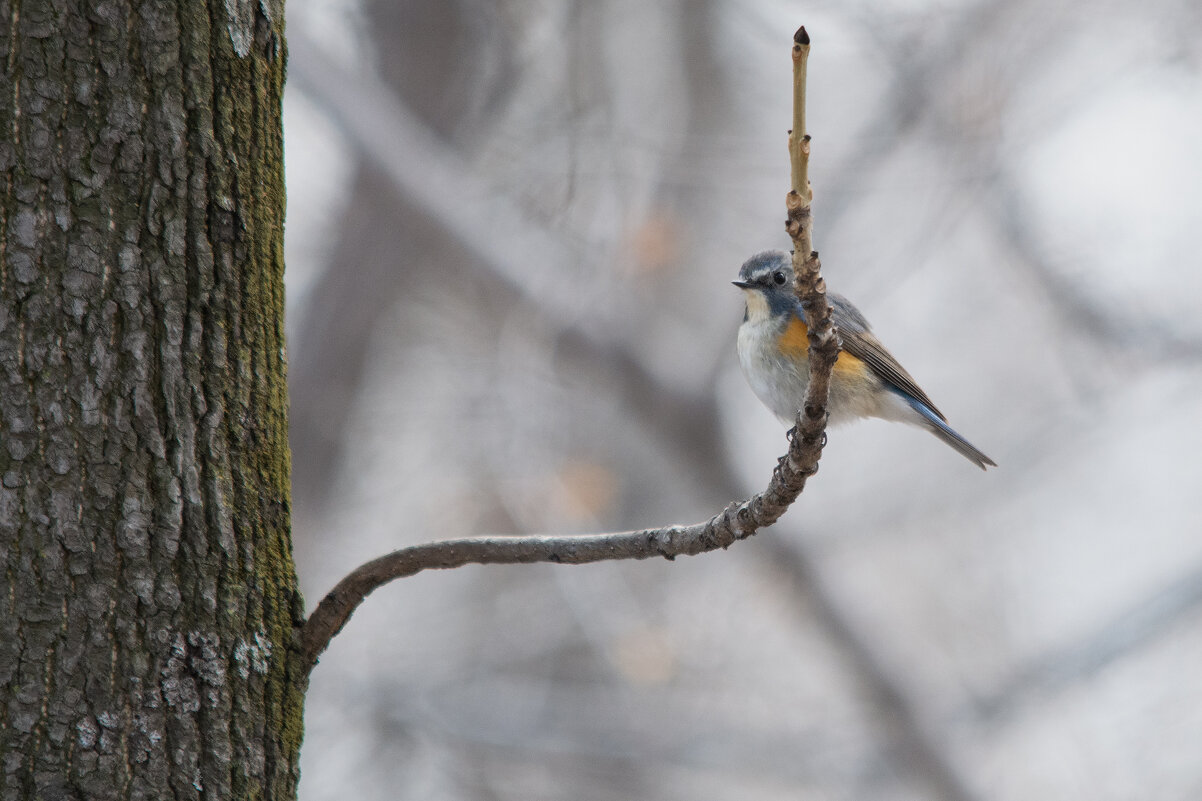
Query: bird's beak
741,284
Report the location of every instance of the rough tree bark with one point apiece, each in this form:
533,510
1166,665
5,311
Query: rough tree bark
147,624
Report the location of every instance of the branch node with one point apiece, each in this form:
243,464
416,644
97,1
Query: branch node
664,541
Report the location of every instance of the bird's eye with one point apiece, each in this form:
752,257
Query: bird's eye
778,278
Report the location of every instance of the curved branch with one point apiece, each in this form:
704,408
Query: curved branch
737,521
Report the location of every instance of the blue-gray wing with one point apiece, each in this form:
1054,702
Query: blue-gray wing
856,338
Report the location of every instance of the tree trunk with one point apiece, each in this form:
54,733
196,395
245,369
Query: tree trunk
147,628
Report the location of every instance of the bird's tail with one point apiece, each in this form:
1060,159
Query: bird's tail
939,428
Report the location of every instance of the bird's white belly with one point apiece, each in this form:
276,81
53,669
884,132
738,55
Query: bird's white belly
779,381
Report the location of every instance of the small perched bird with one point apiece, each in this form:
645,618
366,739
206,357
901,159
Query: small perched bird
866,381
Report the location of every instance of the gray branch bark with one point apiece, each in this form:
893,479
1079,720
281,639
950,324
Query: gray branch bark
737,521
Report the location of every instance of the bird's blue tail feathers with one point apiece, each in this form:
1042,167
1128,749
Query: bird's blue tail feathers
941,429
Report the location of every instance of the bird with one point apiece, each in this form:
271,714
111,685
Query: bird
867,381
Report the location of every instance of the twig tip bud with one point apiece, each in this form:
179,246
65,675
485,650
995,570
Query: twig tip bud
801,37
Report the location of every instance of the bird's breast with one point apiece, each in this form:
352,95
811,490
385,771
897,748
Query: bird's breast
775,358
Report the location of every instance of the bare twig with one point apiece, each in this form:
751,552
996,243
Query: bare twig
807,277
799,140
737,521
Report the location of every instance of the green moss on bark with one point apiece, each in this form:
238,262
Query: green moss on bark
148,647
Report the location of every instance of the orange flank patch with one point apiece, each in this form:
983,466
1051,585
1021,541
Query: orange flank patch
793,340
848,366
793,343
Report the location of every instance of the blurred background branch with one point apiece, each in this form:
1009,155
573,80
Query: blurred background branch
929,635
